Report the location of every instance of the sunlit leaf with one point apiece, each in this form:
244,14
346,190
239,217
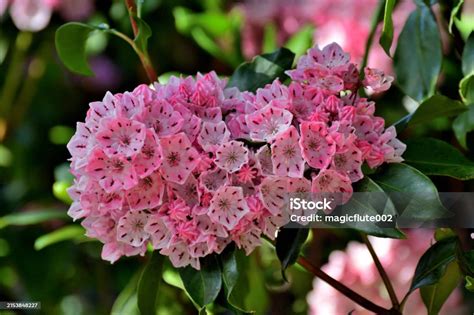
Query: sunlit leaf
32,217
66,233
435,295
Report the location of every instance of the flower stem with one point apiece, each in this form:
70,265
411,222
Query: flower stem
377,17
354,296
132,11
143,55
383,274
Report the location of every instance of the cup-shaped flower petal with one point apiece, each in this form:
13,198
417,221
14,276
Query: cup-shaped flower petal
179,158
213,179
121,136
228,206
150,157
265,123
212,135
81,145
113,173
162,117
274,193
148,194
160,229
131,228
231,156
331,181
286,154
349,161
376,81
188,191
317,146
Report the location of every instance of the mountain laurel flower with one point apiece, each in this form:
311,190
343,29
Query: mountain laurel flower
190,166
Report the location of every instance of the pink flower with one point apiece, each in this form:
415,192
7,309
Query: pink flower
231,156
179,158
228,206
286,154
190,166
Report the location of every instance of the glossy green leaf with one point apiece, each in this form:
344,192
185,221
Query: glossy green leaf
149,284
463,124
288,245
434,107
234,270
371,204
203,285
144,33
126,302
418,55
63,234
470,283
386,37
435,295
432,265
414,195
468,56
466,89
32,217
454,13
71,46
436,157
263,69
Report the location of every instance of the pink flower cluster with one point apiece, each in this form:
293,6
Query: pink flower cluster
355,268
34,15
191,166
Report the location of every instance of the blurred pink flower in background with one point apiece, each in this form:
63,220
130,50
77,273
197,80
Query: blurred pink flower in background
355,268
345,22
34,15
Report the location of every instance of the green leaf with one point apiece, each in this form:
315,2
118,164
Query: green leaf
435,295
371,204
32,217
126,302
148,286
414,195
71,46
386,37
144,33
434,107
269,38
468,56
288,245
263,69
432,265
466,89
233,263
466,261
454,12
470,283
442,158
203,285
418,55
63,234
463,124
301,41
